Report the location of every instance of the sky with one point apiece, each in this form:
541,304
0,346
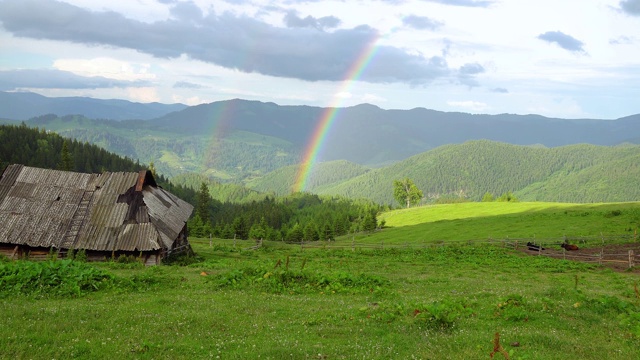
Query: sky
558,58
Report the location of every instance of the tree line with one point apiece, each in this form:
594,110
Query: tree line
293,218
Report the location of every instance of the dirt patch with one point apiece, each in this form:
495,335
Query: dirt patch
614,256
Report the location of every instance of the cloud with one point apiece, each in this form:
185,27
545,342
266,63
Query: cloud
500,90
467,73
471,105
466,3
622,40
231,41
186,11
563,40
187,85
631,7
105,67
57,79
421,22
292,20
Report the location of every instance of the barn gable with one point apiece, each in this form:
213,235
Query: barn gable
105,213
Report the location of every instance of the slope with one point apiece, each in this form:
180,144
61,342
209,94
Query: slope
324,175
576,173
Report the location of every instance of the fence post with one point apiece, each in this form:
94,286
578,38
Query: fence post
516,245
539,248
602,248
564,254
302,244
382,244
210,243
631,259
353,243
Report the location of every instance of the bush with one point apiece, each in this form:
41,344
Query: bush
52,278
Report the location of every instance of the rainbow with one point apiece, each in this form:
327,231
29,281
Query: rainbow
219,120
329,115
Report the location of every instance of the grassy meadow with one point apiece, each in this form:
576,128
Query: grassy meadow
285,302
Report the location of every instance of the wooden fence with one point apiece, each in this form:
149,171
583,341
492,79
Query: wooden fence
595,249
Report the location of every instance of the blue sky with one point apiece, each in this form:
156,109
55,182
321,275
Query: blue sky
561,58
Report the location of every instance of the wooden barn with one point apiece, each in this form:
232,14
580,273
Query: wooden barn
46,211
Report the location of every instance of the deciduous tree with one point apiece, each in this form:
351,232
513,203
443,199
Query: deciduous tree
406,192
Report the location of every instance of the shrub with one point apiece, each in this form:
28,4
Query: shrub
52,278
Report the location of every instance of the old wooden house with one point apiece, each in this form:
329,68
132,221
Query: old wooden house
45,212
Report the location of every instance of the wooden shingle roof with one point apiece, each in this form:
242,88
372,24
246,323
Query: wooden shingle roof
112,211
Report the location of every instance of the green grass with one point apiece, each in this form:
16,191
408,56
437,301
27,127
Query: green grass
499,220
285,302
437,303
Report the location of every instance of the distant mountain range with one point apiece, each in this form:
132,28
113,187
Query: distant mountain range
259,144
25,105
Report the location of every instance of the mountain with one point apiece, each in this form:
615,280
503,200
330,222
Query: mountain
25,105
324,175
241,141
368,135
572,173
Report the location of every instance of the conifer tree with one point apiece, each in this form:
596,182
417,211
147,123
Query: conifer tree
66,161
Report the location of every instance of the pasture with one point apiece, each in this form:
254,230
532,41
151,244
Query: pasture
286,302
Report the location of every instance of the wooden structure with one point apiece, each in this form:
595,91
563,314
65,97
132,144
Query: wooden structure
46,211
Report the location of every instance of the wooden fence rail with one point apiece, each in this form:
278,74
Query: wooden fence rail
592,242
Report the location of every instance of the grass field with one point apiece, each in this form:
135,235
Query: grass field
280,302
500,220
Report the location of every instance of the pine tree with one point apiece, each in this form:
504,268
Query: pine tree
203,200
66,161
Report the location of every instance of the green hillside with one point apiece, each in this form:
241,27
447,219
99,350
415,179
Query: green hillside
324,175
232,155
223,192
500,220
574,173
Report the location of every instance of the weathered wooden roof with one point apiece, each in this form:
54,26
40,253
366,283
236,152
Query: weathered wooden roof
106,212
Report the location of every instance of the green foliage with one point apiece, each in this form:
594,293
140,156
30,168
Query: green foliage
52,278
34,147
576,173
513,308
66,161
406,192
442,315
291,281
203,203
488,197
507,197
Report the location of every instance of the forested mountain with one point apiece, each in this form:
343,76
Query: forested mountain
223,192
574,173
25,105
226,155
324,175
20,144
240,141
230,210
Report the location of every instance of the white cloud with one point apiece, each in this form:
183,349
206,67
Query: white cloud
469,105
106,67
143,94
344,95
